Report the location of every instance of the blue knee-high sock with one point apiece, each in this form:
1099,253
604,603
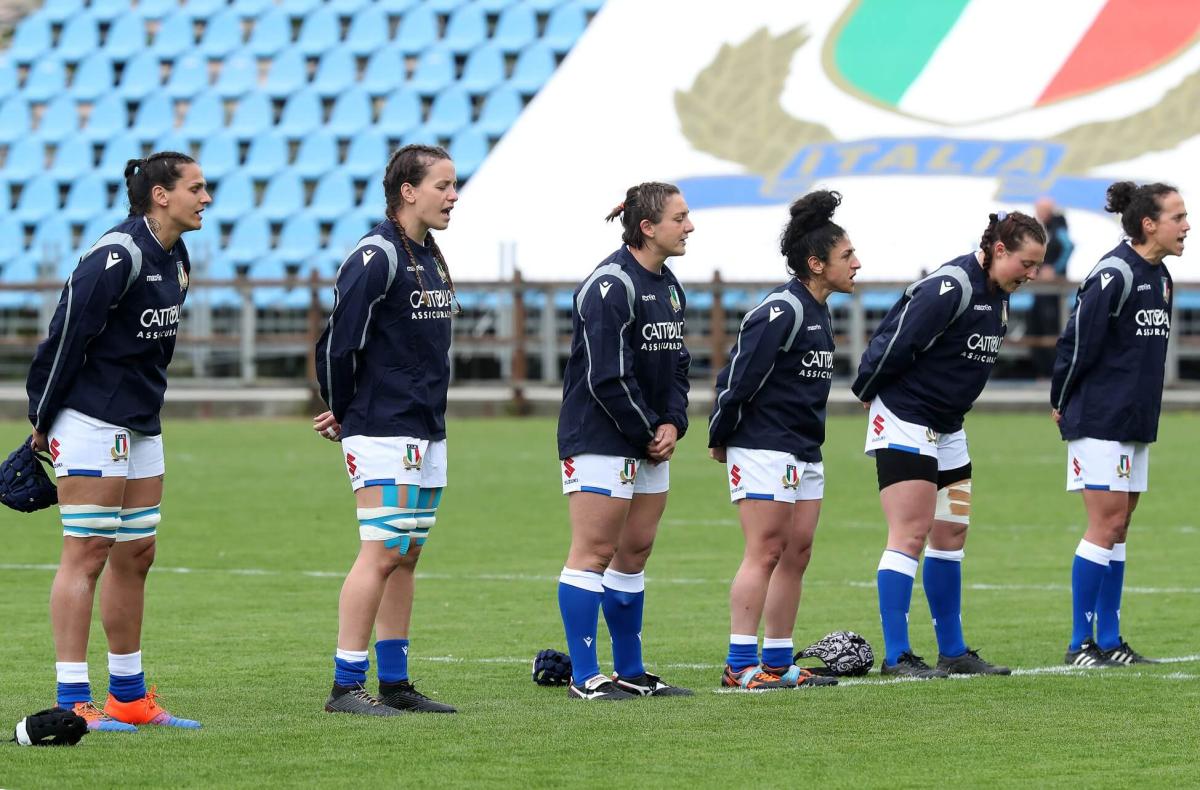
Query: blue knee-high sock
1087,574
350,667
895,582
1108,603
624,599
942,579
743,651
391,660
579,597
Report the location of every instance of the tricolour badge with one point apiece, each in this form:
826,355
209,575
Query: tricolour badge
183,276
629,471
412,456
1124,467
1166,290
791,477
120,448
676,305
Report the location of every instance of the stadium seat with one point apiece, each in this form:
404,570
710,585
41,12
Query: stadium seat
38,199
239,75
401,114
535,65
141,76
26,159
176,36
8,79
319,32
14,119
422,135
516,29
62,10
267,156
385,71
287,75
117,152
543,6
333,197
205,115
222,34
72,160
500,110
590,6
157,9
249,240
88,197
12,238
299,8
253,116
254,8
466,30
394,8
368,31
484,70
219,155
284,196
318,154
494,6
345,235
351,114
126,37
450,112
114,11
469,148
348,7
565,26
418,31
205,9
100,224
299,240
59,121
93,77
367,156
109,118
5,201
272,33
336,72
174,140
444,6
189,76
47,79
31,40
434,73
51,238
301,115
79,38
232,197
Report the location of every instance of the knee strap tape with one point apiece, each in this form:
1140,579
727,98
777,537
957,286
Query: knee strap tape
954,503
85,521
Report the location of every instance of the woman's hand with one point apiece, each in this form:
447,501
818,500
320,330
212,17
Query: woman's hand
327,426
717,454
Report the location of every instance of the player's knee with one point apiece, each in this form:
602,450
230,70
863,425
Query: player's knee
138,523
90,521
136,557
954,506
797,555
393,526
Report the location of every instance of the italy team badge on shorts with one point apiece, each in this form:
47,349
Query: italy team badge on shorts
931,436
1124,467
412,456
120,448
791,477
629,472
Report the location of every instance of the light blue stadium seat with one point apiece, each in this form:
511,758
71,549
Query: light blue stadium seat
109,118
114,10
177,140
281,298
93,77
466,30
516,29
299,8
239,75
222,34
117,152
272,33
60,120
346,232
418,31
484,70
450,112
351,113
368,30
367,156
299,240
26,159
249,241
284,196
72,159
157,9
5,199
205,9
444,6
176,36
288,74
38,199
348,7
565,26
8,78
253,8
385,71
267,156
219,155
97,226
318,154
394,8
423,135
401,114
590,6
47,79
79,38
12,238
434,73
189,76
321,31
333,196
494,6
141,76
51,239
543,6
335,73
14,119
301,115
31,40
500,111
87,198
253,116
534,66
205,115
232,197
62,10
126,37
469,148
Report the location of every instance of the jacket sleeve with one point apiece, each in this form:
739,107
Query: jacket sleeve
764,331
92,290
359,288
1083,340
677,403
606,315
923,316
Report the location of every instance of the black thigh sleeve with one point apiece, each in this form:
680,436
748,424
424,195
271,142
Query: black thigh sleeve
952,476
896,466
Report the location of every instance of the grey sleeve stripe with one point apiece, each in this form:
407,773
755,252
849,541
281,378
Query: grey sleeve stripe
956,274
797,308
780,296
887,351
389,250
1127,276
135,254
611,270
58,352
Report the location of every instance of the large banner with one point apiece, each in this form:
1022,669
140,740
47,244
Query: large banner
925,115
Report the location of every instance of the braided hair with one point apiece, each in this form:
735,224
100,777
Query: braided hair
1012,228
142,175
645,201
811,232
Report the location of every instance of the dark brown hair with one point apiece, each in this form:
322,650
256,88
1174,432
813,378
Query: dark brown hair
1013,229
142,175
1134,203
644,201
811,231
409,165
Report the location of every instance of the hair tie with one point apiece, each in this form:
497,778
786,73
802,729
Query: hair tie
621,206
1001,216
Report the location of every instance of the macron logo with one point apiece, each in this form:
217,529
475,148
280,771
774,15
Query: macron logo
1105,279
946,287
604,289
775,313
113,260
367,256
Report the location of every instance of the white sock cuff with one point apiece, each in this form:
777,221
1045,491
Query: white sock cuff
351,655
939,554
625,582
584,580
71,671
1093,553
769,643
1118,554
124,664
898,562
743,639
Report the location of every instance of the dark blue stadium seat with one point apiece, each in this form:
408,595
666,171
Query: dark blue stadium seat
418,31
321,31
367,155
189,76
176,36
14,119
385,71
301,115
451,111
222,34
141,76
93,77
38,199
79,38
333,197
31,40
299,240
484,70
205,115
249,241
287,75
219,155
283,197
469,148
318,155
8,79
466,30
534,66
401,114
114,10
565,26
351,114
72,159
267,156
368,30
60,120
516,29
26,159
253,116
205,9
239,75
272,33
336,72
87,197
117,152
47,79
108,118
435,71
62,10
126,37
232,197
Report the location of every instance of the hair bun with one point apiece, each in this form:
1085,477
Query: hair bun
131,167
1120,195
816,208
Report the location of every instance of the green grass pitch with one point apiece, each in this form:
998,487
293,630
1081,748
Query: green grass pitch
259,528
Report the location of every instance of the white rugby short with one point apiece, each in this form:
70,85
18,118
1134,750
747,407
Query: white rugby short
394,461
886,431
771,474
1104,465
614,475
87,447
